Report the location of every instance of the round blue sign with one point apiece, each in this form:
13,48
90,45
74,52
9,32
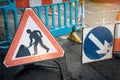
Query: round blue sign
98,42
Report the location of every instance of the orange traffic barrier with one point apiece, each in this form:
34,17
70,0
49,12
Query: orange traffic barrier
117,34
22,4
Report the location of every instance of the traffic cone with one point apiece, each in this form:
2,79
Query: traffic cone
73,36
117,37
118,17
50,12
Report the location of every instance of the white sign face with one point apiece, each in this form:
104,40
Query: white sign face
97,43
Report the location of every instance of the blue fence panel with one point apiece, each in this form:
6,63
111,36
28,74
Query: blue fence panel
66,20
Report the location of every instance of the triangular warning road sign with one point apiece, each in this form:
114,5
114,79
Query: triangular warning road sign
32,42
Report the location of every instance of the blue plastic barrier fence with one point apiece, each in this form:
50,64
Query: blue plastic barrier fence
58,25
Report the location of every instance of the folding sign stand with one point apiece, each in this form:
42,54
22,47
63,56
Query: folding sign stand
24,52
11,72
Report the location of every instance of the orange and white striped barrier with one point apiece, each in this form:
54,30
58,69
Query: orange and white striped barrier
32,3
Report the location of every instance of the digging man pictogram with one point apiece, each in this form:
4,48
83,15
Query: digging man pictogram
37,37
